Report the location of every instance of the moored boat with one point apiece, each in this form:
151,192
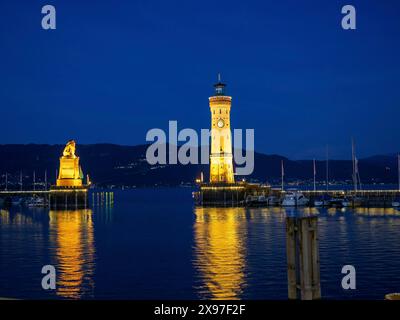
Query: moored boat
260,200
336,202
318,202
36,202
352,202
273,201
294,199
16,201
323,201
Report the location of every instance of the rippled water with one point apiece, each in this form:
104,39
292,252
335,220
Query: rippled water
153,244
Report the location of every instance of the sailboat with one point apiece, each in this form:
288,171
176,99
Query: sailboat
320,201
396,202
327,200
355,201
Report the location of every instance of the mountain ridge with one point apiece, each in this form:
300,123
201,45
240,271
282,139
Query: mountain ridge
122,165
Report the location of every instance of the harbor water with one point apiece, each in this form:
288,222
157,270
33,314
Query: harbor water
155,244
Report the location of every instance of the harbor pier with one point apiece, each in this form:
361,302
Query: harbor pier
361,198
68,198
232,194
55,198
258,195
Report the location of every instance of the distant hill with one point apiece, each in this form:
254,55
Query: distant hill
110,164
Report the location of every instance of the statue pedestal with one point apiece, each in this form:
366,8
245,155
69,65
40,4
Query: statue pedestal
70,173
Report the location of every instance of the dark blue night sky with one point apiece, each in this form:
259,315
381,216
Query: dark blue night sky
115,69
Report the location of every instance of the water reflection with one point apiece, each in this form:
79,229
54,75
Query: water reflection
104,214
15,218
219,258
377,212
72,240
301,211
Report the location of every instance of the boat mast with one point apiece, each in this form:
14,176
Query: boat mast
398,167
20,180
327,167
356,172
315,172
358,175
282,173
353,160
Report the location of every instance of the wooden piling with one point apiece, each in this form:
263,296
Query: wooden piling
302,249
291,260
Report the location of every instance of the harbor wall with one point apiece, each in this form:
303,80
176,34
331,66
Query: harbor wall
234,194
68,198
243,194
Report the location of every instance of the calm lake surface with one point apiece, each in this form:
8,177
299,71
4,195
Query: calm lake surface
154,244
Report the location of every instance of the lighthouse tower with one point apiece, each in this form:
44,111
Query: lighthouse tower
221,164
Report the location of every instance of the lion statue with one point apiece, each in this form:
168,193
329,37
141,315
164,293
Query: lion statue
69,150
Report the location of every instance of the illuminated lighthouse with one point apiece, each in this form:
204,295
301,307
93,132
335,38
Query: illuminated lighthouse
221,164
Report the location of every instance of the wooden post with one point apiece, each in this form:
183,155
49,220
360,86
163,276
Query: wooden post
291,259
302,248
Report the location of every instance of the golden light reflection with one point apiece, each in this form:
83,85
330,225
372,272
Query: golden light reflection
17,218
377,212
4,217
220,251
73,241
